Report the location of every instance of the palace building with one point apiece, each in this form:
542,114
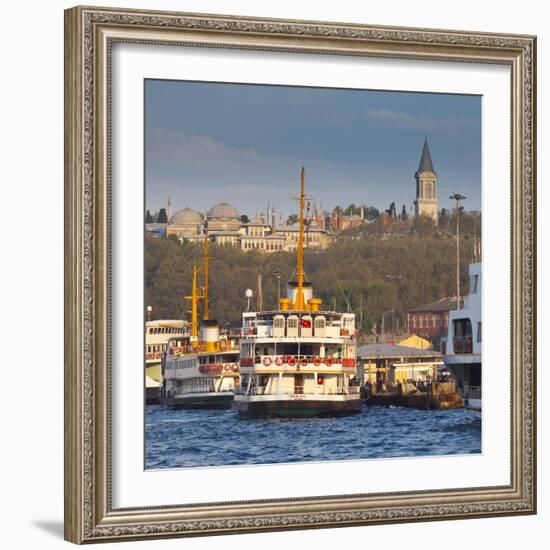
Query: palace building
224,226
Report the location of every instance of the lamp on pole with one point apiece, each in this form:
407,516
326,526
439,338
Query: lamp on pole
277,275
248,294
457,197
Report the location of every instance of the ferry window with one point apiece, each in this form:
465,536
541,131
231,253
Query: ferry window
463,328
479,331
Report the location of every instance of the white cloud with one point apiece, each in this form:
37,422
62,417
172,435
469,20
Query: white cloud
166,145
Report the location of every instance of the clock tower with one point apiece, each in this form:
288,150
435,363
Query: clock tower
426,178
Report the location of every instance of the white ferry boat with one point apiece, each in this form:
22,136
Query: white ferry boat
200,370
157,334
463,346
298,360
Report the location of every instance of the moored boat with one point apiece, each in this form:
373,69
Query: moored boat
463,345
298,359
157,334
201,369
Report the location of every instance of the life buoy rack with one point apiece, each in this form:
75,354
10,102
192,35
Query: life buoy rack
328,361
266,361
235,367
211,369
317,361
227,368
279,361
291,360
304,361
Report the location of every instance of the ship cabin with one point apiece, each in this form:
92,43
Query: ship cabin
298,352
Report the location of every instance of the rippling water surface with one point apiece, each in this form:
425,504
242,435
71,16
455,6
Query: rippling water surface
184,438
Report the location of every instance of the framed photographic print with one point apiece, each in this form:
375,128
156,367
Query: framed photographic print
300,284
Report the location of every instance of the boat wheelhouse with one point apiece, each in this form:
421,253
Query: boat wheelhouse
463,345
298,360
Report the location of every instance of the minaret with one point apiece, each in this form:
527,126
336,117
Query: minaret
169,209
426,178
273,218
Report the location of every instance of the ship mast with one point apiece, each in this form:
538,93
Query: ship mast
195,297
205,277
299,303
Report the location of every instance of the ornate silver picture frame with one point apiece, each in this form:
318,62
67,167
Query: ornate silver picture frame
90,34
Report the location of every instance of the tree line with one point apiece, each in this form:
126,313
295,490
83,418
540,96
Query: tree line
362,271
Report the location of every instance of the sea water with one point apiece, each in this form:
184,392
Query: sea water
186,438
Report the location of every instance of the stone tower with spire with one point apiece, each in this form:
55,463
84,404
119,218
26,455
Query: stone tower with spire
426,179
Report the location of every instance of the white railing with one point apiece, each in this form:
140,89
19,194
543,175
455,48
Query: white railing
298,390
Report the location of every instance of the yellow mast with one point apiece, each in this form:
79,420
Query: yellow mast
194,299
299,303
206,277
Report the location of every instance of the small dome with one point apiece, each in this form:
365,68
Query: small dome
223,210
186,216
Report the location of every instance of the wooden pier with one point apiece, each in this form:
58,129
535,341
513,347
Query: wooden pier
428,396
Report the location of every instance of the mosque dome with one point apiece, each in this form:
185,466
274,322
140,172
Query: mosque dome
186,216
223,210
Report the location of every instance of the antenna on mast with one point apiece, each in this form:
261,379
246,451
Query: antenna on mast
299,303
206,258
194,298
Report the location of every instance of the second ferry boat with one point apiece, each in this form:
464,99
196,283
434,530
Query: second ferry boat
200,369
298,360
463,346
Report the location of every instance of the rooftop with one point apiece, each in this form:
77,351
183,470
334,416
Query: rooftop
445,304
394,350
426,164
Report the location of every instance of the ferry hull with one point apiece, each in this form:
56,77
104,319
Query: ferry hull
212,400
297,407
152,396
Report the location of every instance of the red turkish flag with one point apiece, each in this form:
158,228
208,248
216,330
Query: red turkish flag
305,323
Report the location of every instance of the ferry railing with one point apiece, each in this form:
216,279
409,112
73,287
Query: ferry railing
462,344
297,390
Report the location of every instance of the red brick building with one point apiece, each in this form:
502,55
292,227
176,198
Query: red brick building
431,320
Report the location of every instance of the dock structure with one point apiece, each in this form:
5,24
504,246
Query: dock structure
391,374
394,363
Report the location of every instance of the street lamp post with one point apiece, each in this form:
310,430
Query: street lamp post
248,294
278,277
457,197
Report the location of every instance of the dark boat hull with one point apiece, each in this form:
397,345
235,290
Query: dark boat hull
297,408
152,396
199,401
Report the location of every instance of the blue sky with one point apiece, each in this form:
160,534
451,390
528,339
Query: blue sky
245,144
